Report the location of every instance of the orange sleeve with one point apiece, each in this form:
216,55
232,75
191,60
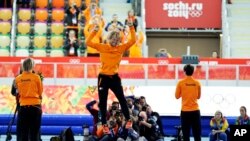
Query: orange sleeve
40,86
140,38
86,14
132,41
199,90
178,91
92,44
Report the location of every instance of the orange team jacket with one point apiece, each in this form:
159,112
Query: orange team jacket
136,49
110,57
190,90
87,14
97,39
30,88
87,2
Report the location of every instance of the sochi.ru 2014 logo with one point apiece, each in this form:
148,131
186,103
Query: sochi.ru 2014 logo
183,10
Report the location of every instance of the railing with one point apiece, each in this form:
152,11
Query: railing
13,28
226,47
133,72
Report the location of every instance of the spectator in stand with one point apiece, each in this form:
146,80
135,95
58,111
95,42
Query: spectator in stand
189,90
91,11
71,45
132,18
88,2
96,20
6,3
72,15
163,53
215,54
243,119
114,23
136,50
23,3
219,126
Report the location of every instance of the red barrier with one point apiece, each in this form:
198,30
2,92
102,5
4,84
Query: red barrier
130,68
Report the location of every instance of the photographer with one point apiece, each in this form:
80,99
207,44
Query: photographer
112,126
149,127
112,109
95,113
155,115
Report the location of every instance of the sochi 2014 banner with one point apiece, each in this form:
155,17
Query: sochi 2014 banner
183,13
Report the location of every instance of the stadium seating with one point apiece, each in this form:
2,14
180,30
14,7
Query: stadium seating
23,41
4,41
56,53
39,52
40,28
56,42
5,14
41,15
58,15
23,28
42,3
40,41
5,27
4,52
22,52
57,28
24,15
58,3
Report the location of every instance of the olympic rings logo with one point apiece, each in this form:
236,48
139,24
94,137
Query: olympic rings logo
74,61
223,100
163,62
195,13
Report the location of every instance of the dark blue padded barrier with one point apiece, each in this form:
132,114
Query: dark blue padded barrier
54,124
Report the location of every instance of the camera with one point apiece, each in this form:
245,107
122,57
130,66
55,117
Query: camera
118,113
112,123
113,107
140,118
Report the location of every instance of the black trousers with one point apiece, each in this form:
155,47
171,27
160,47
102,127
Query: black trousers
113,82
190,120
29,122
